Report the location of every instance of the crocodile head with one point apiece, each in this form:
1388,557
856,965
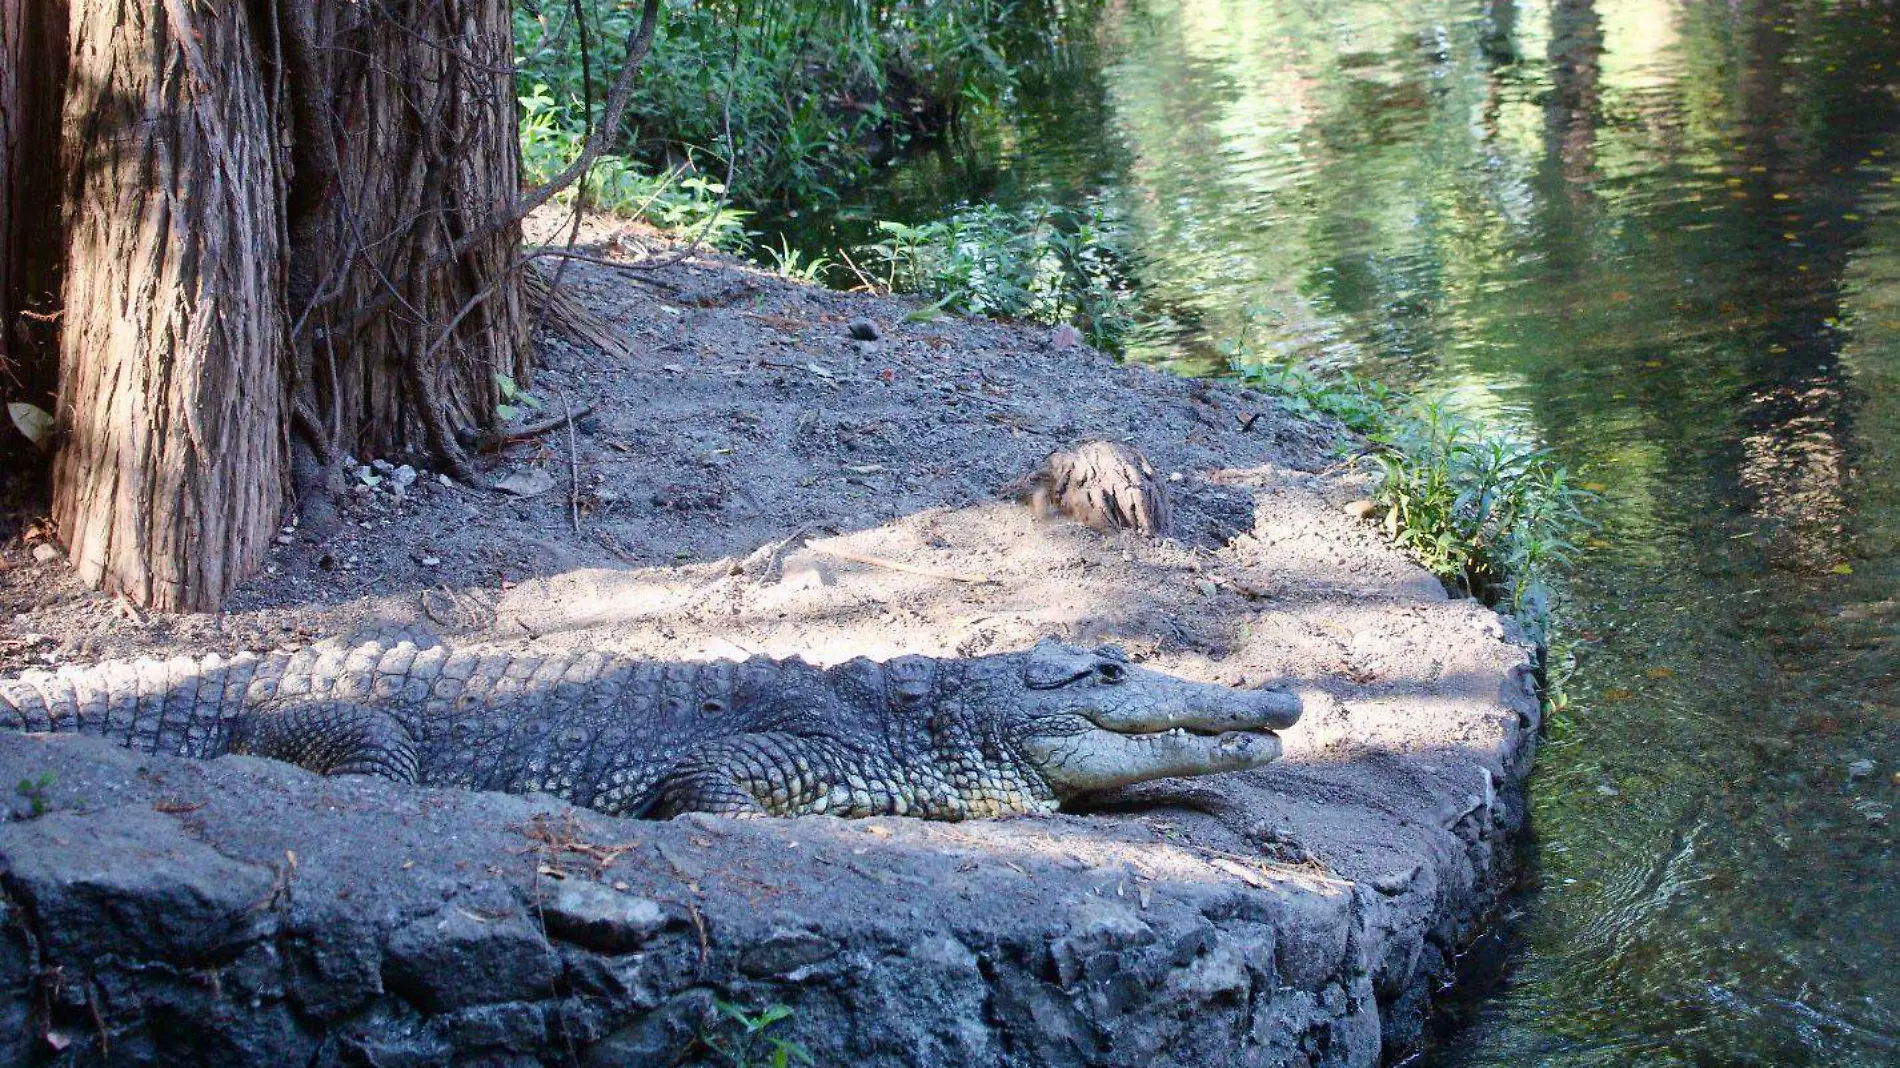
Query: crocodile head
1089,720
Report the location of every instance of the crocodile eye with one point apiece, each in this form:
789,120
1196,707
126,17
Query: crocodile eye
1111,672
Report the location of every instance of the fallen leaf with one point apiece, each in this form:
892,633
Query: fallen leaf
1842,569
1660,673
33,421
1618,693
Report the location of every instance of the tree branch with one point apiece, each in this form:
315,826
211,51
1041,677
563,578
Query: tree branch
639,42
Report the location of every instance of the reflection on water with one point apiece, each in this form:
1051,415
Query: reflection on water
1664,237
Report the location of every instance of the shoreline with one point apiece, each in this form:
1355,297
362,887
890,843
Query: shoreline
1306,910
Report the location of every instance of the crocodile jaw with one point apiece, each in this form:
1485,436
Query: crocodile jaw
1103,759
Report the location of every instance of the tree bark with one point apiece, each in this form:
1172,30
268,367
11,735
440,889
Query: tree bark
169,475
406,144
32,80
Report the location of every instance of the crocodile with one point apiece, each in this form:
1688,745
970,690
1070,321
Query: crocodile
947,739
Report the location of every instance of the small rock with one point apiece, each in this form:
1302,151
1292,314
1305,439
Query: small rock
529,482
867,349
283,539
46,553
445,480
1065,337
1609,791
403,476
1361,509
1859,769
459,957
784,951
591,915
864,330
383,466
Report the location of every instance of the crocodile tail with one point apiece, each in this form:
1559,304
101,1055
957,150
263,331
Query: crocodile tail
183,706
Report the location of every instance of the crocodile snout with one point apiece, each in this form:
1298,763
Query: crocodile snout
1198,708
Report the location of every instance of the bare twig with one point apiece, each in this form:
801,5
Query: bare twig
908,569
602,261
608,543
535,430
573,468
766,562
868,285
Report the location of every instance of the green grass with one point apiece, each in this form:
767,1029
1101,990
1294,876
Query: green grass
1488,513
1039,263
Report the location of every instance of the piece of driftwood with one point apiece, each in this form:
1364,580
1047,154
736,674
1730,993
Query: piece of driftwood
572,319
1106,485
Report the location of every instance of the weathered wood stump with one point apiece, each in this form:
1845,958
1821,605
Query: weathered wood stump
1106,485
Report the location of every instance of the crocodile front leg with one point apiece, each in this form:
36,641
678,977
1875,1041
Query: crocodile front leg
778,774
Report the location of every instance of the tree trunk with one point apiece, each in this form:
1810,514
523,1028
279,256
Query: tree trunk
415,148
168,480
32,80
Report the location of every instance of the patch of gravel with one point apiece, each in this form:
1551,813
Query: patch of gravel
753,479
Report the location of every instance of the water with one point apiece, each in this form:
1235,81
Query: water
1662,236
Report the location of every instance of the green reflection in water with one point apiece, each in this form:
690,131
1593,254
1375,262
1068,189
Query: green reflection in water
1663,236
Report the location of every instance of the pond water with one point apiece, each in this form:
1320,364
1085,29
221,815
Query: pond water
1663,237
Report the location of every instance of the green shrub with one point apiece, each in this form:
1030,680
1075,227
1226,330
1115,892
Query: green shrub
1486,512
815,89
1479,508
679,200
1040,263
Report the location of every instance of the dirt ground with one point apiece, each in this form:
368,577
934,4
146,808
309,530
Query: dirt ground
751,479
742,414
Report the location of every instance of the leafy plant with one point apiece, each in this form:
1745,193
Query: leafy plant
513,399
1486,512
751,1041
1478,508
33,789
788,262
1041,263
